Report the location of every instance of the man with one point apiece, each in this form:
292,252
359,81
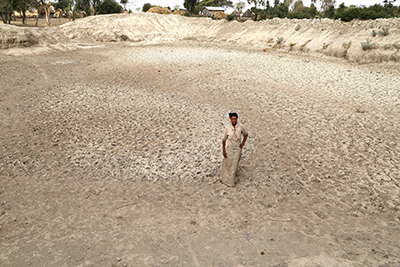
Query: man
232,149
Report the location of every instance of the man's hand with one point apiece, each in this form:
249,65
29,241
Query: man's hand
224,153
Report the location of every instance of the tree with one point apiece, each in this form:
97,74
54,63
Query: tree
177,7
298,5
124,2
108,7
190,5
46,7
239,8
146,7
289,2
84,6
254,9
325,4
5,11
330,13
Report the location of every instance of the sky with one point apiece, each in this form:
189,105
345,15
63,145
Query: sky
171,3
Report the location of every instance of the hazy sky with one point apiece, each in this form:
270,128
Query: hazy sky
171,3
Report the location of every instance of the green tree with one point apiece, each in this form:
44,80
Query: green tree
84,6
298,6
108,7
326,4
330,12
146,7
254,9
6,11
190,5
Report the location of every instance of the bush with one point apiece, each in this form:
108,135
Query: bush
146,7
397,46
367,45
279,40
187,14
384,31
297,27
374,33
230,17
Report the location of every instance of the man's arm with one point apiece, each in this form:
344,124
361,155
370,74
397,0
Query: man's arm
244,141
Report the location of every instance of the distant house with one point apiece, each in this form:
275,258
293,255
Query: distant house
248,15
235,13
211,10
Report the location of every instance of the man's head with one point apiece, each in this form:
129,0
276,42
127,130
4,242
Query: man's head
234,117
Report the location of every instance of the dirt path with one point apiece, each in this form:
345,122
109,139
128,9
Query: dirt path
111,156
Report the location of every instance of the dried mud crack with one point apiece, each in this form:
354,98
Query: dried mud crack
110,156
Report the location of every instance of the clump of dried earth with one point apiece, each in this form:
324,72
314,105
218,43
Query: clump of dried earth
110,156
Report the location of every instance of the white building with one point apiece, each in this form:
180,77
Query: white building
211,10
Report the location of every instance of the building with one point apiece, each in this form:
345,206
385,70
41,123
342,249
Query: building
211,10
248,15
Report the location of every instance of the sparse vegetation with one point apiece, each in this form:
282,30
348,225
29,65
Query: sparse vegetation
367,45
298,27
374,33
384,31
397,46
190,39
230,17
346,46
279,40
387,47
291,46
325,46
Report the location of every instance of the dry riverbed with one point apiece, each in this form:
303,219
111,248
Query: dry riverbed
110,156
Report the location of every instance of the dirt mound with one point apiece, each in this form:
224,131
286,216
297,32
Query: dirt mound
159,10
180,12
317,36
220,15
13,36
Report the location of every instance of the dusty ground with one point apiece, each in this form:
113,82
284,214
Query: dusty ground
110,156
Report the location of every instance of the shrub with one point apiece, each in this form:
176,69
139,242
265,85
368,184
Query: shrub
387,46
279,40
187,14
298,27
384,31
230,17
397,46
146,7
367,45
374,33
346,45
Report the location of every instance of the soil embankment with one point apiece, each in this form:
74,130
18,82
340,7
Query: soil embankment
318,36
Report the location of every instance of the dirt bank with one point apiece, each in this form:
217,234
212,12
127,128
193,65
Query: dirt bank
317,36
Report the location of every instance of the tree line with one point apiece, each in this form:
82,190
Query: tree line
295,9
70,7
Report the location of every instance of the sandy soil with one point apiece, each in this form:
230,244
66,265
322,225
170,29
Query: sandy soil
110,156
